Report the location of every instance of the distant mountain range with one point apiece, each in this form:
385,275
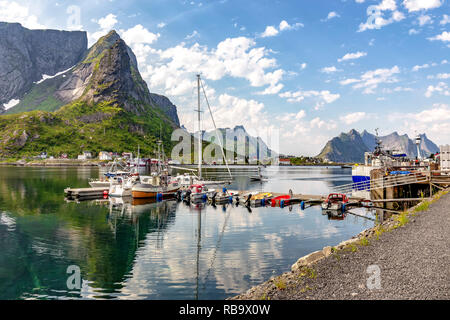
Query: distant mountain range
240,135
351,146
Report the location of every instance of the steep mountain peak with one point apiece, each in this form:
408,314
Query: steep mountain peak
27,55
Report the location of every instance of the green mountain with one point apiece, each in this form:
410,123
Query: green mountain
102,103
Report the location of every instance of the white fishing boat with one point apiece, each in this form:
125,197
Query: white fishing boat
123,187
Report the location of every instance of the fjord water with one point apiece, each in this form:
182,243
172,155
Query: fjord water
166,250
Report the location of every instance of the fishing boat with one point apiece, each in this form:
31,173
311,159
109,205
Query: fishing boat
151,186
378,159
335,201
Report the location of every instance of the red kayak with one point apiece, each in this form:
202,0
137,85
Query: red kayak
277,200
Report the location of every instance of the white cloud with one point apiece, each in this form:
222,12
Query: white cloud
108,22
331,15
349,81
441,88
444,36
354,117
323,124
387,5
433,120
412,31
424,19
11,11
192,35
370,80
417,67
320,97
270,31
331,69
284,25
443,76
445,19
352,56
161,25
417,5
170,71
138,35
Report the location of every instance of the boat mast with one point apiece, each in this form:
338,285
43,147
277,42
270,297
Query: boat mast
200,151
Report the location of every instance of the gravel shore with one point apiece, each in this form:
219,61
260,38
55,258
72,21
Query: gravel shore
412,259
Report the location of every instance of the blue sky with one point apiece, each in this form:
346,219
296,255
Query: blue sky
302,70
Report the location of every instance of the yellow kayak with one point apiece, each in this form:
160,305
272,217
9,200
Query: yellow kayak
260,196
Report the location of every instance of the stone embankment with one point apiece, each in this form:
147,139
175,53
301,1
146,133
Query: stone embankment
405,257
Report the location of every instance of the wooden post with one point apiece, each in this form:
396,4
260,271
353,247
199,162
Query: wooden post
431,185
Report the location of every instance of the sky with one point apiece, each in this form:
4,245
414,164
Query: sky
302,71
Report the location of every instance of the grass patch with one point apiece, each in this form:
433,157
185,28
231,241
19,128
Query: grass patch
308,272
364,242
422,207
279,283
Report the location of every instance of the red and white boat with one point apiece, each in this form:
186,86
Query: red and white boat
335,201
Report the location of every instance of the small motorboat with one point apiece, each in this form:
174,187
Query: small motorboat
366,203
275,202
335,201
260,199
198,192
122,187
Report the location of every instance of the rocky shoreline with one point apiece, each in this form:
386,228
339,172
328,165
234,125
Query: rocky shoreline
52,163
339,272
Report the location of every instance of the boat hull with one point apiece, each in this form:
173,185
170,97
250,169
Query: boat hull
142,192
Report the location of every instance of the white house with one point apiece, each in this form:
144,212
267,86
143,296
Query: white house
105,156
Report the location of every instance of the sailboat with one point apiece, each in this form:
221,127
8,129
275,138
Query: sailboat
189,179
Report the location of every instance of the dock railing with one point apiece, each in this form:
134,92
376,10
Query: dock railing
384,182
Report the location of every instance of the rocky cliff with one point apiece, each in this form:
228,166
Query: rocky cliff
102,103
26,55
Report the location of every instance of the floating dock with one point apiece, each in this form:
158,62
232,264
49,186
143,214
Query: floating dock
85,193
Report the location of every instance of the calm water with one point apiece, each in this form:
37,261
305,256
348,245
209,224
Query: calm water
165,250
